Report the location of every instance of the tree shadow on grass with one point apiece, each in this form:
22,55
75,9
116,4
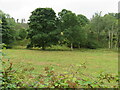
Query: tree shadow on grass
75,49
50,50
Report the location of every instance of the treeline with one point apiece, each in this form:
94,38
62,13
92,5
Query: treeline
75,31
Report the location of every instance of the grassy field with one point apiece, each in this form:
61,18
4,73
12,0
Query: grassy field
96,61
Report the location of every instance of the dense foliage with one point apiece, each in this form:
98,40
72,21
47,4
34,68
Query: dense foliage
75,31
71,27
42,28
11,31
7,29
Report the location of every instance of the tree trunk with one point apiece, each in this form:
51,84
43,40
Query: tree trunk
71,46
112,37
79,46
43,46
117,42
109,39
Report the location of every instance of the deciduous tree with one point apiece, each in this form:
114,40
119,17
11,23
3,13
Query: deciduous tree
42,28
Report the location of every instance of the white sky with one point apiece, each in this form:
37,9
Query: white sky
23,8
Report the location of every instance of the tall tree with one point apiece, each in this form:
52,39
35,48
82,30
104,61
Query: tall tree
97,24
42,28
104,28
69,26
7,29
110,24
97,29
72,28
82,37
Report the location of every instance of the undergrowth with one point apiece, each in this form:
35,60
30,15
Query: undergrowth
25,78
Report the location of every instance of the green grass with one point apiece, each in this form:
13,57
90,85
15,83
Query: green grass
96,60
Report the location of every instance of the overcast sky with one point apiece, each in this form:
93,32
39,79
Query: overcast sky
23,8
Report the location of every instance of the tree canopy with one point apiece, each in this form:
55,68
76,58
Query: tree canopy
45,29
42,25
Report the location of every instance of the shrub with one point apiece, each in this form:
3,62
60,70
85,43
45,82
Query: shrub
4,46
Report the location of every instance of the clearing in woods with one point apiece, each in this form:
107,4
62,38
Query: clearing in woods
96,61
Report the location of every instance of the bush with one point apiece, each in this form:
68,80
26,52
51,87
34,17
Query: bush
5,46
8,79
